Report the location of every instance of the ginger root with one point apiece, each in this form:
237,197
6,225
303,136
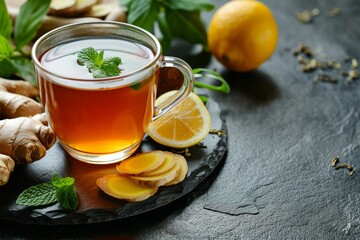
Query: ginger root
6,167
23,139
16,99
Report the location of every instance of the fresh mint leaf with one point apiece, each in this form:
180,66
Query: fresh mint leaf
37,195
29,20
67,197
109,68
5,21
60,182
88,57
6,50
95,62
61,190
24,68
189,5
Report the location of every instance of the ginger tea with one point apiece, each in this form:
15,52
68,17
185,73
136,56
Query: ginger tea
102,120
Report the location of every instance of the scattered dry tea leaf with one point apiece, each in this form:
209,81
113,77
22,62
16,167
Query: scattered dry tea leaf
332,12
352,75
326,78
308,63
307,16
201,145
347,166
354,63
303,49
333,64
185,152
334,161
217,132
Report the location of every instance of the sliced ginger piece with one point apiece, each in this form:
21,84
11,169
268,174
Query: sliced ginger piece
144,162
137,183
84,6
62,4
158,180
182,172
100,10
122,187
167,165
62,7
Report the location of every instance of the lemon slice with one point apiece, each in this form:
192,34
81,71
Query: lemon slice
183,126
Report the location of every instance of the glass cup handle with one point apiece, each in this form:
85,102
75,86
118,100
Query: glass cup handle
183,92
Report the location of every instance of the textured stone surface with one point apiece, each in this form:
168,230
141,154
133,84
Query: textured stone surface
284,130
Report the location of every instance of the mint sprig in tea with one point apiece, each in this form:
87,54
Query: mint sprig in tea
97,65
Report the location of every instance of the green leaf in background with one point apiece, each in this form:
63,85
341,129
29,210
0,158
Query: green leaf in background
29,20
187,25
67,197
126,3
165,41
175,18
24,68
6,50
37,195
189,5
5,21
144,14
6,69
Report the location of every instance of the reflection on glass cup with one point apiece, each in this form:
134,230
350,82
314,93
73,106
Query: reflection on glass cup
103,120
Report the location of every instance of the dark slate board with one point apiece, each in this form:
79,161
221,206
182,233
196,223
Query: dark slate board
94,205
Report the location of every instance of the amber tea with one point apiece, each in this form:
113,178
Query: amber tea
100,121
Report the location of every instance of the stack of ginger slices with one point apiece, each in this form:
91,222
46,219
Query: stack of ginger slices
140,176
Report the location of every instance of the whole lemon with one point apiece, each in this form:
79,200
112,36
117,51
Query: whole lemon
242,34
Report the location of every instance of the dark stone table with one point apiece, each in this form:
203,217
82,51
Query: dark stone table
277,181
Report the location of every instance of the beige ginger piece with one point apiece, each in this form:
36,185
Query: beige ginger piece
23,140
15,99
6,167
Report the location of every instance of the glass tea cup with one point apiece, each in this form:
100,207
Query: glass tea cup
103,120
